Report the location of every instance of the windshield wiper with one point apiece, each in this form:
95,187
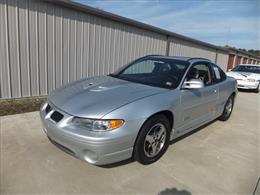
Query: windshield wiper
112,75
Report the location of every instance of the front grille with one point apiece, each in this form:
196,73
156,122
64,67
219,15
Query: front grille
56,116
48,109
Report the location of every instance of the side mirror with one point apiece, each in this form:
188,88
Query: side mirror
193,84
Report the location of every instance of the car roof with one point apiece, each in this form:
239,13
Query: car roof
248,65
182,58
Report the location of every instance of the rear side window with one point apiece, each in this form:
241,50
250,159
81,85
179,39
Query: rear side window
218,74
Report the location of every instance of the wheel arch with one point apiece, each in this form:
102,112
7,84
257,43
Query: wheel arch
167,113
234,94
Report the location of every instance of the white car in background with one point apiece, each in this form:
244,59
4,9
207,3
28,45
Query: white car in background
247,76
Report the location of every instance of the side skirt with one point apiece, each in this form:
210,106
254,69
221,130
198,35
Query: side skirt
175,134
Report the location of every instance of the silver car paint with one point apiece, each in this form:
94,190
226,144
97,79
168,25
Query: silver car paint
96,96
111,98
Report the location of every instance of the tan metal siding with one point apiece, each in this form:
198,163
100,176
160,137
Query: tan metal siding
51,46
59,45
72,44
86,49
24,49
14,48
33,48
4,46
42,50
222,60
44,46
184,48
66,46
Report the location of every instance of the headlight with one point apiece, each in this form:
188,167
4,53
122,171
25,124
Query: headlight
251,80
97,125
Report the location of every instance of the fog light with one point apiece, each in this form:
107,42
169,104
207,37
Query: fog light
90,156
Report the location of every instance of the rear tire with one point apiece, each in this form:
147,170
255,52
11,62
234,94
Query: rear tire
153,140
228,108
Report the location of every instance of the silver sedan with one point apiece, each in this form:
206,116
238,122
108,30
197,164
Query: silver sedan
135,111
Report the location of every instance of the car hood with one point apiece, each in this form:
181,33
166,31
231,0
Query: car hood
97,96
243,75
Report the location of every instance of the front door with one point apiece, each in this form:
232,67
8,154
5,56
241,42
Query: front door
198,104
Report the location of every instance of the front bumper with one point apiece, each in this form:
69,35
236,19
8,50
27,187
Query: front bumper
98,148
246,84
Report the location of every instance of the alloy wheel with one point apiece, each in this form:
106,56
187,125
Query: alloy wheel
154,140
228,107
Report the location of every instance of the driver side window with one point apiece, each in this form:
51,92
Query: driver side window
200,71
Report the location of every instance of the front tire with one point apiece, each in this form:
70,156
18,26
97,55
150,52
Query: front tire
153,140
228,108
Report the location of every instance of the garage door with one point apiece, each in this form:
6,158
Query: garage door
230,61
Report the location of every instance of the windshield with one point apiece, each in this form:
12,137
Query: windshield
158,72
252,69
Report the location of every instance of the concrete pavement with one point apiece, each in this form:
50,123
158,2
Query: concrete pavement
220,158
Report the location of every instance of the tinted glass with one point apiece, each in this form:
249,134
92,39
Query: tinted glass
218,74
159,72
252,69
